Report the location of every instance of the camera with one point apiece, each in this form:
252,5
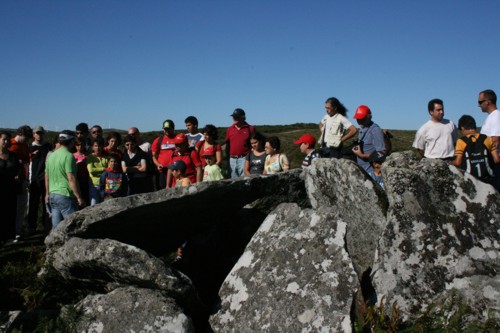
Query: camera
357,145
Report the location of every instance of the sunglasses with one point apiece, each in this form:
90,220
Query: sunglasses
481,102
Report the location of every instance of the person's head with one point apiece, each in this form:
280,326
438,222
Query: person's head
436,109
333,106
363,115
114,140
66,138
239,116
130,143
113,162
210,133
38,133
80,145
24,133
257,141
376,159
191,124
307,143
272,145
467,122
209,155
178,168
82,130
96,131
181,142
134,132
4,140
97,145
487,100
168,127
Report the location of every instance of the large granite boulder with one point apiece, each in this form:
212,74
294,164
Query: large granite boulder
348,190
294,276
131,309
442,237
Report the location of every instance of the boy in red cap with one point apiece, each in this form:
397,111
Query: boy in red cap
307,143
189,156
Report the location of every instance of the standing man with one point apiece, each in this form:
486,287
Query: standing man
371,143
82,133
38,154
491,127
19,146
238,143
163,148
144,145
63,193
437,137
96,131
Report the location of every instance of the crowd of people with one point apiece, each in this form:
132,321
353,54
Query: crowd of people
82,168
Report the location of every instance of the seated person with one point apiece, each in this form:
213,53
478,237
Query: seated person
178,169
307,143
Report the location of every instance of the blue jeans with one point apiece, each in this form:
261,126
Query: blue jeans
95,194
61,206
236,167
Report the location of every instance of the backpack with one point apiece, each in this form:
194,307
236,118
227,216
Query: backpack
388,143
477,159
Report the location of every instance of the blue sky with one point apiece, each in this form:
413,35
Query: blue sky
137,63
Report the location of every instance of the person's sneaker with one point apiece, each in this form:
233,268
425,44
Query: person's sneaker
17,239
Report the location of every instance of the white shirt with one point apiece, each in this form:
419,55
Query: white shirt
334,128
491,125
437,139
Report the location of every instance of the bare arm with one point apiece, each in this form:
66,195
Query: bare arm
351,131
458,160
246,167
73,184
199,174
218,157
47,192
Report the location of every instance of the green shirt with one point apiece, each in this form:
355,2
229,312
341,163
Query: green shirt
59,163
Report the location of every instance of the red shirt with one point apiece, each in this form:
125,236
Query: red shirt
239,139
167,148
22,151
192,160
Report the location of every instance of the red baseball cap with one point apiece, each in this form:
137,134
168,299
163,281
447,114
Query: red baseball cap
306,138
180,138
361,112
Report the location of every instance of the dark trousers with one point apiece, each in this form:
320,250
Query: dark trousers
36,194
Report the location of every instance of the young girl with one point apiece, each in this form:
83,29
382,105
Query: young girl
96,165
275,161
178,169
212,171
254,161
82,174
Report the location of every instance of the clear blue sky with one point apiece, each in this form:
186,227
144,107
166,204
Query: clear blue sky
137,63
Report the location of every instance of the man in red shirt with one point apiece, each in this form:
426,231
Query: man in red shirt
162,149
19,146
189,156
238,143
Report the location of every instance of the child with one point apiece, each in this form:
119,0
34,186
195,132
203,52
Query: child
113,183
474,152
307,143
193,135
212,171
376,161
178,169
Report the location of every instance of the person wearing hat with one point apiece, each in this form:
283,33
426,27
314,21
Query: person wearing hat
19,146
211,171
238,143
307,143
39,150
335,129
376,161
370,138
437,137
162,150
189,156
63,194
178,170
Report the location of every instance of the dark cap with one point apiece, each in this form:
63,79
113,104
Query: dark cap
238,113
168,124
178,165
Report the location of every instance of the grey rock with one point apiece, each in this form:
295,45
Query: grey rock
131,310
294,276
348,190
105,264
442,235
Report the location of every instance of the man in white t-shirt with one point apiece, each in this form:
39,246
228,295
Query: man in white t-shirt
437,137
491,127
